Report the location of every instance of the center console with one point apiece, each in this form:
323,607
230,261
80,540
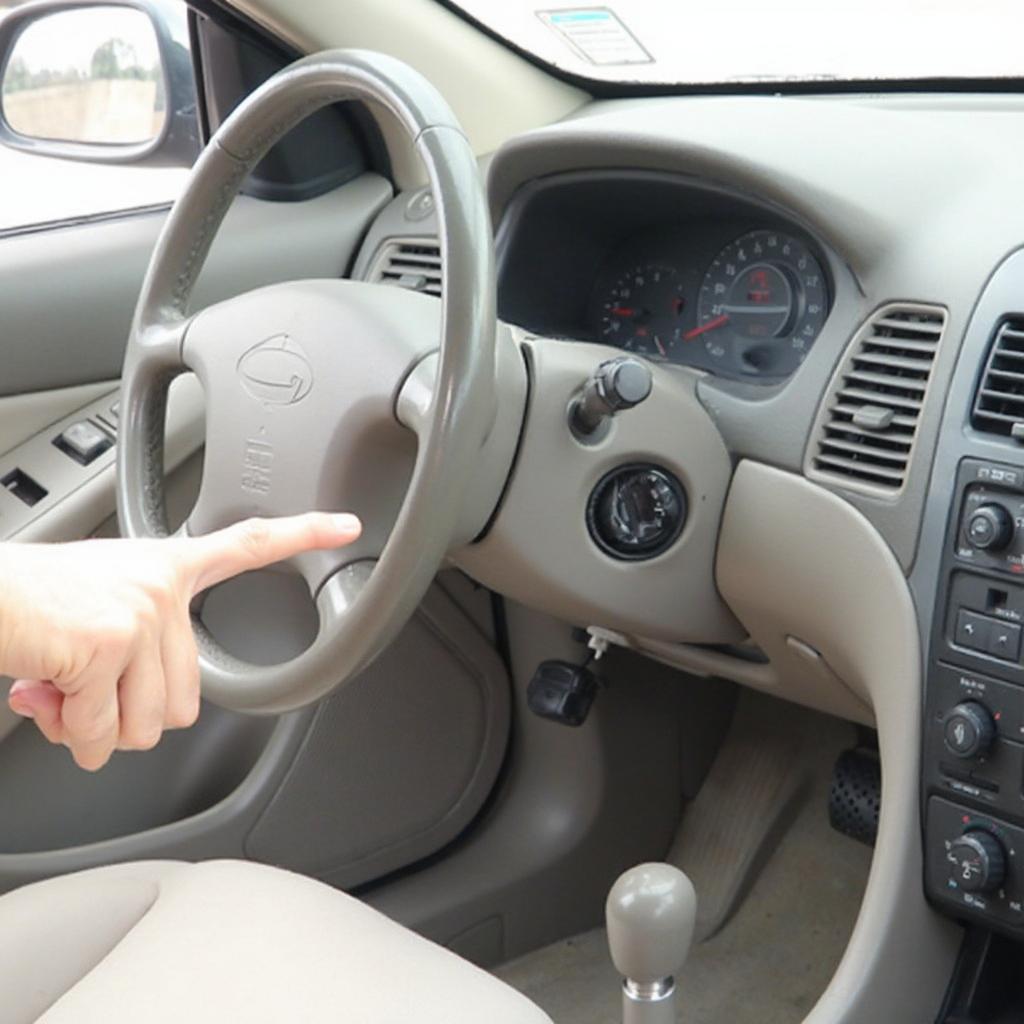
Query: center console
973,756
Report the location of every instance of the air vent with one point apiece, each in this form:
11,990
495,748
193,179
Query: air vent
999,403
865,435
413,263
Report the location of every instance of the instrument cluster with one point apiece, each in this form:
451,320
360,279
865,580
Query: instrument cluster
667,267
751,307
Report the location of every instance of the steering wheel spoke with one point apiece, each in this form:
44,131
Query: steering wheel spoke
337,596
161,344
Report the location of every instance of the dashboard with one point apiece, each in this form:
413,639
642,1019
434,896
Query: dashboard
871,276
671,271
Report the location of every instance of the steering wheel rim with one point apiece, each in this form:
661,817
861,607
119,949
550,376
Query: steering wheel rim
360,610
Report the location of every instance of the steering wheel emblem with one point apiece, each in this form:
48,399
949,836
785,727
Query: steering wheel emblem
276,371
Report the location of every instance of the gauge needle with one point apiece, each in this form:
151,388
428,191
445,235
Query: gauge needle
622,311
709,326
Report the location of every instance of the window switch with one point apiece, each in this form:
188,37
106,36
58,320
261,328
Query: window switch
109,417
972,631
23,487
1004,640
84,441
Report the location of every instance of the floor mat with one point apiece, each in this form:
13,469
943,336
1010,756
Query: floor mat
771,961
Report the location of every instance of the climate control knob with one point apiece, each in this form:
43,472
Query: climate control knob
977,862
989,528
969,730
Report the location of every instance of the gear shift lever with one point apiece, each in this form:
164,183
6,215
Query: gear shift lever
650,914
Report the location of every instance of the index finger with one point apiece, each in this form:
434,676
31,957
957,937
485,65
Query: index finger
257,543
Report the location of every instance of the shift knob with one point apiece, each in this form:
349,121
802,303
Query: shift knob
650,913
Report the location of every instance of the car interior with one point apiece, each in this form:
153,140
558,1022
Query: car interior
677,673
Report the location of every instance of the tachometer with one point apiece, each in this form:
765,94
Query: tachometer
643,311
761,305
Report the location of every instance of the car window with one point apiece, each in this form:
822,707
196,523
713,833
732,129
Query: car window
79,85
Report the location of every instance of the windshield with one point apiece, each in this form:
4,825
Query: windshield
666,42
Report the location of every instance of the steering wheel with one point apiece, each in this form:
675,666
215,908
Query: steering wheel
302,382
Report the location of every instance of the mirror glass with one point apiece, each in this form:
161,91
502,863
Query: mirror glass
90,75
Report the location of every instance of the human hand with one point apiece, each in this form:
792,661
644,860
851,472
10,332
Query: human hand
98,634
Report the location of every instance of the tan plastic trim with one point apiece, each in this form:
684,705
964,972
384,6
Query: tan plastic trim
806,678
795,560
539,551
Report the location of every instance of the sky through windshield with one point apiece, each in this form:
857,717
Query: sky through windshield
681,41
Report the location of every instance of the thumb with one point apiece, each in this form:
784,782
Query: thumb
41,700
256,543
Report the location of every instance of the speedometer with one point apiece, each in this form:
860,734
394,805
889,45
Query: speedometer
762,303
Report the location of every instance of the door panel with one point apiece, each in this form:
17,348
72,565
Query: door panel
67,297
67,294
432,715
80,501
433,710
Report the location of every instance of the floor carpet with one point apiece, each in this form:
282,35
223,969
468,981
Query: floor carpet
774,957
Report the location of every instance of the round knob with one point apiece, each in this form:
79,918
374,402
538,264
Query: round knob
624,382
977,862
616,384
650,913
969,730
989,528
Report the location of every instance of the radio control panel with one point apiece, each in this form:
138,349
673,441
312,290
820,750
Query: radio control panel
973,756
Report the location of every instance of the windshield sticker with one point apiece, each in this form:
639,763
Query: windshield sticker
597,35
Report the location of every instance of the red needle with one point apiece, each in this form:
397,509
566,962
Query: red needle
622,311
709,326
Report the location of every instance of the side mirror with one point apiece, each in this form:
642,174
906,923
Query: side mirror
104,81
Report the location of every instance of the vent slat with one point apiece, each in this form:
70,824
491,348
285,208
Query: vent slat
427,266
853,467
1007,353
920,366
999,399
926,348
1010,375
929,326
864,396
842,427
999,417
887,367
410,263
1002,396
885,380
830,445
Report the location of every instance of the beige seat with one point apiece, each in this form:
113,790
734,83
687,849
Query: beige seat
226,942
